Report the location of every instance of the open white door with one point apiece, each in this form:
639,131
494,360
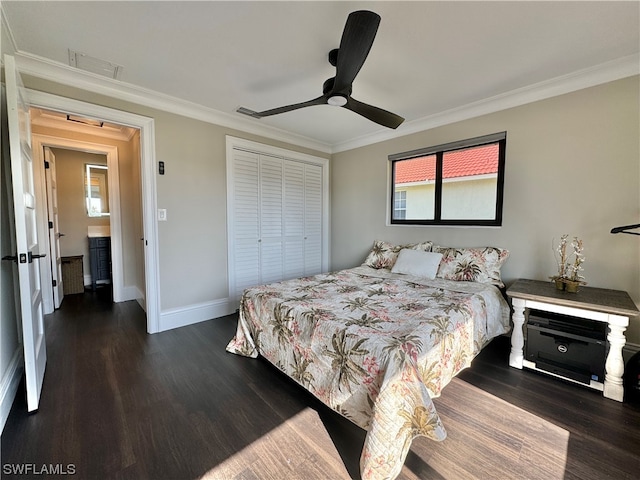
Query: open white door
54,226
33,339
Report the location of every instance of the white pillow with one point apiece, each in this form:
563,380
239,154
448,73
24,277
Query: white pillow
418,263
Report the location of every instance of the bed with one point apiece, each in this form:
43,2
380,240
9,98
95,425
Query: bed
377,343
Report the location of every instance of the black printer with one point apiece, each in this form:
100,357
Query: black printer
567,346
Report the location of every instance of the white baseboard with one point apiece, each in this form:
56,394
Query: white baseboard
183,316
140,298
9,385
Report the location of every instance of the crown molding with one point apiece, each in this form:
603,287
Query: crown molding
41,67
606,72
66,75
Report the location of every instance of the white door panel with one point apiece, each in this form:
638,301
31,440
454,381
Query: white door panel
33,337
54,226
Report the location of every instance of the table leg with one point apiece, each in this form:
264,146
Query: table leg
517,336
614,366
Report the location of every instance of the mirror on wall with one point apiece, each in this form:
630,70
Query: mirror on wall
97,190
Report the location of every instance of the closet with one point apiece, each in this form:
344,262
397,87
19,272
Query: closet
277,215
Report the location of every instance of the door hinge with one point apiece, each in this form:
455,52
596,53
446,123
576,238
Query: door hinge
46,164
50,224
55,283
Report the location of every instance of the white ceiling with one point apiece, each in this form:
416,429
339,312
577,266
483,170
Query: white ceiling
429,61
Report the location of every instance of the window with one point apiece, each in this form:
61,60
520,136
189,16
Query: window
400,205
459,183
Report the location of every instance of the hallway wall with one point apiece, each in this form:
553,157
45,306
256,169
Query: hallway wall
73,218
130,209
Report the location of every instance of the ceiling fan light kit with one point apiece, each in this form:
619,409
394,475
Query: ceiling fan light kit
337,101
357,37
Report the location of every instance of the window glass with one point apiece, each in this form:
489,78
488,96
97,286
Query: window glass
415,182
469,183
459,183
400,204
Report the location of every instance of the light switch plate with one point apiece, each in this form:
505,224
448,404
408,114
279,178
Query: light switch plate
162,214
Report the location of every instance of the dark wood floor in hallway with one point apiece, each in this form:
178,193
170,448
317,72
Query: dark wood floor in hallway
120,404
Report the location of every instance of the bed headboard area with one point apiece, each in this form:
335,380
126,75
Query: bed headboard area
464,264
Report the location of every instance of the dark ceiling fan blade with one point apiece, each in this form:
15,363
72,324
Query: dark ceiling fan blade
357,38
375,114
322,100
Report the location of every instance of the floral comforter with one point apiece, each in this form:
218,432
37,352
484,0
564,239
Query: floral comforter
374,346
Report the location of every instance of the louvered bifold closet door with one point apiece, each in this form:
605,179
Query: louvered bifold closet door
302,219
271,219
245,261
276,220
312,219
294,209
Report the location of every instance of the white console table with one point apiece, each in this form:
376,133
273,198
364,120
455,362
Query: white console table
614,307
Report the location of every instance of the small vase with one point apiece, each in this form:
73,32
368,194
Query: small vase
572,286
559,283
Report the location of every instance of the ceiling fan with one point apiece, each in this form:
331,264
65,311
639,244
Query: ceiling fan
357,38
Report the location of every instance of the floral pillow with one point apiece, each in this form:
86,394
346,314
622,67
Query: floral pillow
384,254
480,265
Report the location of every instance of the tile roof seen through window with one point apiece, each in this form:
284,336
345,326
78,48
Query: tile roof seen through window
459,163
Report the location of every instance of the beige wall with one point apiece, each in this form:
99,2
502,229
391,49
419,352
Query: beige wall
572,166
193,240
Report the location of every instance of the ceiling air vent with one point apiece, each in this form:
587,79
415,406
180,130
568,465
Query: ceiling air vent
94,65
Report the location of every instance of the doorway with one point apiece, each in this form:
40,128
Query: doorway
146,182
79,152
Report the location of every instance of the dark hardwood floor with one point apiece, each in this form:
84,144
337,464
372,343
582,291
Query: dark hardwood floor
120,404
